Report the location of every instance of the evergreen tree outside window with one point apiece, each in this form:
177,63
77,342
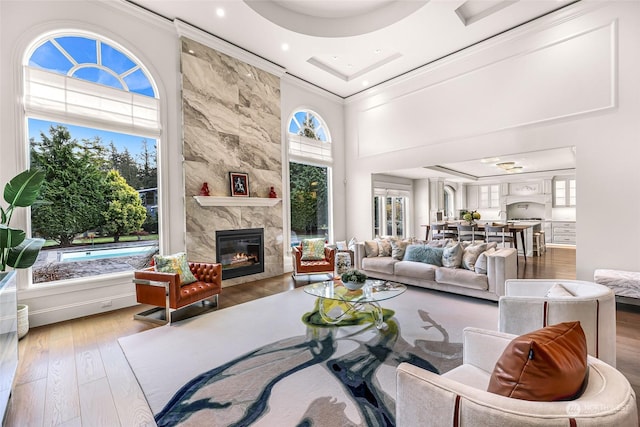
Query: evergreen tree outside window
310,162
92,112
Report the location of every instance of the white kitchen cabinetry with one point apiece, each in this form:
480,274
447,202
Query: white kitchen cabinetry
564,233
489,196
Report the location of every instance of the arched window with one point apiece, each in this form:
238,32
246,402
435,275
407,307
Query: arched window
92,111
310,161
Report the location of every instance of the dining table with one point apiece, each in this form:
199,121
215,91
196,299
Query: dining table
515,230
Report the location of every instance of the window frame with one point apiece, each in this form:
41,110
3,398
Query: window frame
108,279
323,160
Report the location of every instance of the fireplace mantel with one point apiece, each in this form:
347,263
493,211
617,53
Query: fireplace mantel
236,201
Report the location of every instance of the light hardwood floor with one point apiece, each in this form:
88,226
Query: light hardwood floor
74,374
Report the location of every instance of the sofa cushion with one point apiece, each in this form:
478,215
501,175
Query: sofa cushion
384,245
545,365
425,254
470,255
176,264
417,270
481,263
461,277
371,248
312,249
452,255
398,248
380,264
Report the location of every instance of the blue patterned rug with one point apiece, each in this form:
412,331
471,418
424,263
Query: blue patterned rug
274,362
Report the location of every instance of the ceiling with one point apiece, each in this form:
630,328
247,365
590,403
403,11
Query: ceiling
557,161
346,47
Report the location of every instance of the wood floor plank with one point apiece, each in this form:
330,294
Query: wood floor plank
62,402
33,355
27,404
129,400
96,404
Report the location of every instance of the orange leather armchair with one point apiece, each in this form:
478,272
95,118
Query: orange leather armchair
167,293
324,266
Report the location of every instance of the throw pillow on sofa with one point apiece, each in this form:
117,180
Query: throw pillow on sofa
398,248
371,248
452,255
384,246
481,263
425,254
470,255
546,365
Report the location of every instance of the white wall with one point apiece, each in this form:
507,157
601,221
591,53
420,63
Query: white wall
570,78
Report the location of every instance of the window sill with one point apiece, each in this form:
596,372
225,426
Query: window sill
236,201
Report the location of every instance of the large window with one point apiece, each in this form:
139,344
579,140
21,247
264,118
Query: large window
390,216
310,162
92,115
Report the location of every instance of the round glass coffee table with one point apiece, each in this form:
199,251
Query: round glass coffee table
351,302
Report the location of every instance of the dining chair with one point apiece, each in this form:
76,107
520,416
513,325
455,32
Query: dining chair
441,231
498,233
469,232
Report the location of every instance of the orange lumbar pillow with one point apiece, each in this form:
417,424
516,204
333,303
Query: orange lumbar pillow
544,365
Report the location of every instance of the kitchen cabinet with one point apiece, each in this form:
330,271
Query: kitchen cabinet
489,196
564,232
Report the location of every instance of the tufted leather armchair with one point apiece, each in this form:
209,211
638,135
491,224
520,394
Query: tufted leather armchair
324,266
166,292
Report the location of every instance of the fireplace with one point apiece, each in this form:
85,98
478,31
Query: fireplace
241,252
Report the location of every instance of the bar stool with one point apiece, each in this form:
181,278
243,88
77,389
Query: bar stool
537,244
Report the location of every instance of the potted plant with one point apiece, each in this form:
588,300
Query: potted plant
16,250
353,279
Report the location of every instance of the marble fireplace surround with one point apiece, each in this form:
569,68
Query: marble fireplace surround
231,122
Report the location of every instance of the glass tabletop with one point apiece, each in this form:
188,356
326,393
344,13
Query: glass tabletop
373,291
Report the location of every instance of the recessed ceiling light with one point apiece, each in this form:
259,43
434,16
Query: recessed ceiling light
220,12
334,57
191,51
377,51
365,83
285,46
349,65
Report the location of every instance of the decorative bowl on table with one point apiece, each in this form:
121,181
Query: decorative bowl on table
353,279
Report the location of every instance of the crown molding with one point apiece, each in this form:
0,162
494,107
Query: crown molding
186,30
310,87
568,13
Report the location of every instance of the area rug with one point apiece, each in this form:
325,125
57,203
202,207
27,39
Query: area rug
270,362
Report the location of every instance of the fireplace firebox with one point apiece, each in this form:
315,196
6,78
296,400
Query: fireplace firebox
241,252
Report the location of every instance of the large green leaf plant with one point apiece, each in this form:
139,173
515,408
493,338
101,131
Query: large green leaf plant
16,250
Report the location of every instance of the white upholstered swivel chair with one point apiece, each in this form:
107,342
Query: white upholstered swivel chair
426,399
524,308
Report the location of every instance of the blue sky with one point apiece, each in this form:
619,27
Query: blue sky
120,140
86,64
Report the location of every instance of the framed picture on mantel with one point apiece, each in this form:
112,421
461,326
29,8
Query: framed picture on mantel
239,184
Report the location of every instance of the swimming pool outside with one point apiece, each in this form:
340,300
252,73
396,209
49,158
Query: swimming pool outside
92,254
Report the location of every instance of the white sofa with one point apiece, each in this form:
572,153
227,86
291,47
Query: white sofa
525,308
427,399
501,266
